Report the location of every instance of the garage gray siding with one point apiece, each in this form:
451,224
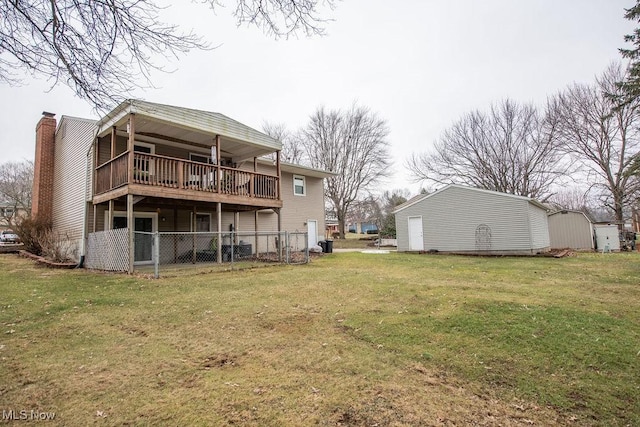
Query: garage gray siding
461,219
570,229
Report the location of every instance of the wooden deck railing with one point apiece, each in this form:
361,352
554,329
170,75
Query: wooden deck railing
168,172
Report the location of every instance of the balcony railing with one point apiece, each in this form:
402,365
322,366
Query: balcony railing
167,172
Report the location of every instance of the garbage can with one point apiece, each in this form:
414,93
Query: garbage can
329,244
323,245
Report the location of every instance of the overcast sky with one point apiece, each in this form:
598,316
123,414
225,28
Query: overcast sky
420,65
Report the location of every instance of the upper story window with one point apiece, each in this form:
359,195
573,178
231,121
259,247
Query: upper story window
299,186
199,158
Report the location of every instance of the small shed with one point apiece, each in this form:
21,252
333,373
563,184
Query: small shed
570,229
462,219
607,237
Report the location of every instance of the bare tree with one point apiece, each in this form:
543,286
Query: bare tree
104,49
572,198
16,180
511,149
602,136
352,144
292,151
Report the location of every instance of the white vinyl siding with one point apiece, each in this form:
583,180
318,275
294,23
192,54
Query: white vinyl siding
70,180
539,227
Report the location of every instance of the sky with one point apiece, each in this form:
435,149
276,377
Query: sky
418,64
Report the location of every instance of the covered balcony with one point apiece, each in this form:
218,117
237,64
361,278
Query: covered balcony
160,151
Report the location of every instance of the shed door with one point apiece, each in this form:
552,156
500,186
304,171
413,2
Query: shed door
416,242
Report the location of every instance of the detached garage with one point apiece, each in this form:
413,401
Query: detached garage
570,229
462,219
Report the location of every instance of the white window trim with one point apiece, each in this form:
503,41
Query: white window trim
152,149
208,157
304,185
150,146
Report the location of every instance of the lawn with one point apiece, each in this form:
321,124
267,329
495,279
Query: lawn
350,339
355,241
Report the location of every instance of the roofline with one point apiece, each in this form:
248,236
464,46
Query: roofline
464,187
296,168
572,211
140,107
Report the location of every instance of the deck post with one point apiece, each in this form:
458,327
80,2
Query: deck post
280,242
255,227
219,225
279,186
131,227
109,226
218,173
112,155
130,147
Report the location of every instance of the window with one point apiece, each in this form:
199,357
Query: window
299,187
199,158
143,165
7,212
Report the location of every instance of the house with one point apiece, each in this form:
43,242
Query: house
570,229
461,219
10,214
332,227
363,228
164,168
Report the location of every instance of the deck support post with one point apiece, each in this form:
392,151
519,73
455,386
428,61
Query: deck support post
219,227
131,227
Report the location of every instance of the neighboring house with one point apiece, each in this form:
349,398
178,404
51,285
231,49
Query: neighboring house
570,229
461,219
165,168
363,228
9,215
332,227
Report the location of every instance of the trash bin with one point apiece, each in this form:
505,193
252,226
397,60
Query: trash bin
329,245
323,245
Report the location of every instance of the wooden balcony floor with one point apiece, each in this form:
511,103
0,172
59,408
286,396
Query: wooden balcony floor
186,195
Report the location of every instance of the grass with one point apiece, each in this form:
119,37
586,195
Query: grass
355,241
350,339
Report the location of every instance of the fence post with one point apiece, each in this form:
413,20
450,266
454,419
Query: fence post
233,246
156,255
306,247
287,250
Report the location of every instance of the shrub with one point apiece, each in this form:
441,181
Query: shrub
32,232
57,247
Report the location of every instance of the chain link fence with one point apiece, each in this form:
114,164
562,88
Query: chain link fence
175,250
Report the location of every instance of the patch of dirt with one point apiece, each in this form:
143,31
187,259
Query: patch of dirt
218,361
420,395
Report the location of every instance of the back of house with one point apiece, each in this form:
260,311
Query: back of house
168,169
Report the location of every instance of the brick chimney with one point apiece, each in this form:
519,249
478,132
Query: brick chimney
42,195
